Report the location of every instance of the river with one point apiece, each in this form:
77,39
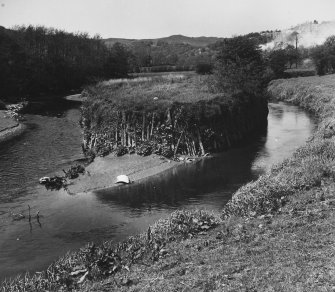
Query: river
53,140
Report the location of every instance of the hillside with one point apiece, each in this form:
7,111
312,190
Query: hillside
176,52
309,34
174,39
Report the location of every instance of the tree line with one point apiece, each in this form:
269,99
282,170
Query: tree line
36,60
324,56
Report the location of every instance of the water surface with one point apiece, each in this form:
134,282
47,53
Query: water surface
53,140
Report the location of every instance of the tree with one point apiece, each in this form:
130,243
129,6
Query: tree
239,66
277,62
117,61
293,55
203,68
39,59
324,56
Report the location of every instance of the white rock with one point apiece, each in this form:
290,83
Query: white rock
44,179
123,179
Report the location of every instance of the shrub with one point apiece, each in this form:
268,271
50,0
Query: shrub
292,73
166,152
121,150
277,62
2,105
145,149
204,68
74,171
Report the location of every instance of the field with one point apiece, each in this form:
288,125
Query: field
168,88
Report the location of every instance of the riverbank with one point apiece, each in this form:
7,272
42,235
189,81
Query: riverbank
102,172
9,128
276,234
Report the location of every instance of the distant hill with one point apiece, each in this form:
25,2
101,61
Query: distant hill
309,35
180,52
174,39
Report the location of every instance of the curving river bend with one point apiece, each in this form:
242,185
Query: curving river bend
67,222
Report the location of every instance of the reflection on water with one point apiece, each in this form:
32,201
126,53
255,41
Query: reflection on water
68,222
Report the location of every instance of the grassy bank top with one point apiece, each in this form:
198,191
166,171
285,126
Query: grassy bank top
315,93
154,92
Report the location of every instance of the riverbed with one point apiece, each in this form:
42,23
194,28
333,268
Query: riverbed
53,140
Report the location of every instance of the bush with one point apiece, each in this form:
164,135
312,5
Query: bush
121,150
2,105
144,149
204,68
292,73
277,62
104,150
90,154
166,152
74,171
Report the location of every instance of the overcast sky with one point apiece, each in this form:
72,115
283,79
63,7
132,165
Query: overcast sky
160,18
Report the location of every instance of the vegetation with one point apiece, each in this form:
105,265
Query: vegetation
239,66
36,60
293,73
167,115
324,56
279,60
59,182
175,53
204,68
74,171
2,105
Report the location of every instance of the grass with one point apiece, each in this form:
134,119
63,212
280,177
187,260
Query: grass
139,93
276,234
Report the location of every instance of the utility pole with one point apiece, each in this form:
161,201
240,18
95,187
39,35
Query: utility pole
295,34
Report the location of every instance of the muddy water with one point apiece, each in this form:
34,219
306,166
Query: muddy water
67,222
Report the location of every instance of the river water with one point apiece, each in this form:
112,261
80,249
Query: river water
67,222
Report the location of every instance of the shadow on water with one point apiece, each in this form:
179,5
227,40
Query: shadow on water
175,187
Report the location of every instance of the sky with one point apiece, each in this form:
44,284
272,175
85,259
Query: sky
161,18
